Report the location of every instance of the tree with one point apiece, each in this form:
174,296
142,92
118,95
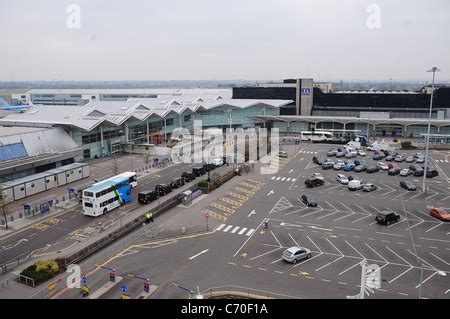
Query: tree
146,159
4,206
115,165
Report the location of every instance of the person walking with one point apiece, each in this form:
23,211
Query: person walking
148,217
151,216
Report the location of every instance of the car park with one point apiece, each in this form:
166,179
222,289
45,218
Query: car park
406,172
387,218
418,172
361,168
359,162
361,153
188,176
341,153
328,165
282,154
146,197
383,166
369,187
351,154
408,185
316,175
342,179
176,182
295,254
417,155
309,200
440,213
372,169
410,159
349,167
314,182
339,165
355,185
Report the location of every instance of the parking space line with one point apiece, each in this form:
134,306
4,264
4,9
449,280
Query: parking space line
386,262
434,227
348,228
390,234
332,262
294,240
249,237
349,268
314,244
431,266
362,256
348,208
304,261
402,294
440,258
378,211
343,217
446,241
420,193
360,219
431,276
327,215
397,223
431,196
242,230
266,253
415,225
262,269
314,212
363,209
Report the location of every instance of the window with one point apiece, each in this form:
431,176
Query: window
88,194
88,204
169,122
187,118
97,195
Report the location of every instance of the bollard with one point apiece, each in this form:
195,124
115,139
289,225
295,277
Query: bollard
146,286
112,276
12,218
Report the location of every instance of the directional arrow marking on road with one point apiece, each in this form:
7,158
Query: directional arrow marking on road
290,225
251,213
18,243
200,253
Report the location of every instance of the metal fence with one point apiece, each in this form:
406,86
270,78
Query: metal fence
6,266
244,292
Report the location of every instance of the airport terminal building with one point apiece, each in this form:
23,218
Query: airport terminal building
100,127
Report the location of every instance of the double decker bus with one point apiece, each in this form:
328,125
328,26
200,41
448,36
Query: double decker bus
108,194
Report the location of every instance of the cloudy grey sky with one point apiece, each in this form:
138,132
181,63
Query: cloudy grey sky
224,39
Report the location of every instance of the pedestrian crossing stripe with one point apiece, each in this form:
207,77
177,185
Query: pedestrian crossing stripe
231,229
241,197
245,191
283,179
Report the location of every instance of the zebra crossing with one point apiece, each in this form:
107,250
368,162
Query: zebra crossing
283,179
441,161
307,152
231,229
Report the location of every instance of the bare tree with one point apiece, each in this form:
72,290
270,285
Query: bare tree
4,206
146,160
115,165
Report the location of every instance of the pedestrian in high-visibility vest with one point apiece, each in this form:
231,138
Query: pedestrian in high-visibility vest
151,217
148,217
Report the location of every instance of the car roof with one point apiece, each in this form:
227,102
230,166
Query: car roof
295,249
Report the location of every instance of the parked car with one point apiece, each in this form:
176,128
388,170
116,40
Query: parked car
339,165
188,176
361,153
163,189
408,185
417,155
332,152
309,200
389,158
406,172
359,162
177,182
349,167
146,197
314,182
316,175
350,178
208,167
440,213
418,172
217,162
372,169
341,152
432,173
342,179
394,170
369,187
328,165
295,254
282,154
315,160
351,154
355,185
383,166
400,158
420,160
387,218
410,159
198,170
415,167
360,168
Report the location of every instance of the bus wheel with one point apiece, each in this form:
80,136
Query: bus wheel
105,211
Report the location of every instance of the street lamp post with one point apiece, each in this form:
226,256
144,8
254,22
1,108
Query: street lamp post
434,70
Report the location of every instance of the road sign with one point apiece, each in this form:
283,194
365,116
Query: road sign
84,280
123,288
206,215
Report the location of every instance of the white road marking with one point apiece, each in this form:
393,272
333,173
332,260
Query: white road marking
294,240
360,219
348,228
263,269
228,228
242,230
250,232
344,216
251,213
220,227
278,178
440,259
283,179
336,212
447,241
433,227
386,262
230,263
235,229
270,193
432,275
315,227
390,234
273,177
200,253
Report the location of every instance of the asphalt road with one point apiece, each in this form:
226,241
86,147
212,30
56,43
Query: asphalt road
340,232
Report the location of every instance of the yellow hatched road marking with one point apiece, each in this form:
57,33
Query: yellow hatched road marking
245,191
224,208
40,227
255,181
214,214
54,221
242,198
256,188
230,201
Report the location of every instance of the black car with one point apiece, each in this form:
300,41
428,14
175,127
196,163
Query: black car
418,172
163,189
146,197
372,169
208,167
177,182
359,162
387,218
198,170
317,160
432,173
314,182
408,185
188,176
394,171
309,200
414,167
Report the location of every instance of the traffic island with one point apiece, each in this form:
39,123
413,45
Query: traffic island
106,287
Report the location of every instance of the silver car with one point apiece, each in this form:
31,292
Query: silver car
406,172
295,254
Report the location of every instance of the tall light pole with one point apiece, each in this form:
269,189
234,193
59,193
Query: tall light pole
434,70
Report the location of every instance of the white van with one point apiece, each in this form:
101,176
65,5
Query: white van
355,185
383,146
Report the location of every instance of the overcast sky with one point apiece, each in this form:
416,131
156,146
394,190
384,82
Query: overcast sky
224,39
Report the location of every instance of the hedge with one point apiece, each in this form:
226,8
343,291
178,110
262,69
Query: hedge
43,270
203,184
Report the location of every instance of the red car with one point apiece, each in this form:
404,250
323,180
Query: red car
440,213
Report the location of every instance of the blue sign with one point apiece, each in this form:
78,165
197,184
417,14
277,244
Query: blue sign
123,288
306,91
84,280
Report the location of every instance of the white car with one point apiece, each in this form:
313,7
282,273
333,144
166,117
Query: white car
355,185
342,179
351,154
339,165
406,172
317,175
361,153
217,162
383,166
